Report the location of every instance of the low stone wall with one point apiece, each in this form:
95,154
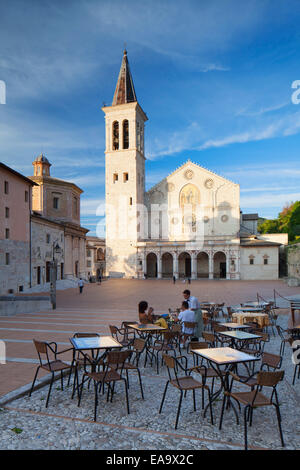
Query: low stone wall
11,305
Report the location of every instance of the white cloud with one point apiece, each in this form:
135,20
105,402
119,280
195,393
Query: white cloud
268,200
94,207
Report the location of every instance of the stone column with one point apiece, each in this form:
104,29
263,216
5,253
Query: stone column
144,266
159,276
121,136
227,264
238,266
210,265
68,252
194,265
175,264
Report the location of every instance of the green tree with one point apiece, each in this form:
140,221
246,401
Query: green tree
288,221
269,226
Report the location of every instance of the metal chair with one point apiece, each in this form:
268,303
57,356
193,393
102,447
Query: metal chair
184,384
121,335
111,374
256,399
78,359
52,364
167,344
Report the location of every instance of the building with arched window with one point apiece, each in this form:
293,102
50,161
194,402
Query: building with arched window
188,225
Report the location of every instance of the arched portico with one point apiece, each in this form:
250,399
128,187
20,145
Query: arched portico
220,265
184,265
202,265
167,265
151,263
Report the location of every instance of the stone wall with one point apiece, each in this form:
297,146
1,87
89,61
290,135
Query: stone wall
11,305
293,260
258,270
44,234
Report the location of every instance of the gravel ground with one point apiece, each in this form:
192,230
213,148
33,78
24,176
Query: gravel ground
25,423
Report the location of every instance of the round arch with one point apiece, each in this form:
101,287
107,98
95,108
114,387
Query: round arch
219,265
167,265
151,265
184,265
202,265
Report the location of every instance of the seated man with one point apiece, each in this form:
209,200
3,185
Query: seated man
186,315
144,315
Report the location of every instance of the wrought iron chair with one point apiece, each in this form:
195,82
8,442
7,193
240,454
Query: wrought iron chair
204,370
111,374
129,333
52,364
256,399
285,338
184,384
121,335
168,343
78,359
209,338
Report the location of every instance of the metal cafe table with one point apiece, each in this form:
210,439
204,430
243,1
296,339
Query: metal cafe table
249,309
146,330
239,338
235,326
229,358
255,304
95,343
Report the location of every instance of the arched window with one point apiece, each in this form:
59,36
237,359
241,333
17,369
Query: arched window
138,136
115,135
125,134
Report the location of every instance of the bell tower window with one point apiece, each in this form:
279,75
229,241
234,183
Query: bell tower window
125,134
116,135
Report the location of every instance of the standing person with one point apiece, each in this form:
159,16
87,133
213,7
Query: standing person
174,280
195,306
80,285
100,278
186,315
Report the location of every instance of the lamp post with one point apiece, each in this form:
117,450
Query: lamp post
53,273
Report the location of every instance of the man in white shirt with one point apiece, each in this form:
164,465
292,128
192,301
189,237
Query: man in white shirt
186,315
195,307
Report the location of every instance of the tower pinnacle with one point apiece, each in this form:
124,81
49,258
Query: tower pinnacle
124,92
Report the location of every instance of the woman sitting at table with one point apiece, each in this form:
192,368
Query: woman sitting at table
144,315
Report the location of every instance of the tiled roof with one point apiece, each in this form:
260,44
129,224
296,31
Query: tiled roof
250,216
124,92
42,158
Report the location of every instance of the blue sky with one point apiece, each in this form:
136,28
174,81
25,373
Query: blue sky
214,78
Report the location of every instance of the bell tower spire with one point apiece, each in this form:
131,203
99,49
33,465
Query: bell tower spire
124,92
125,175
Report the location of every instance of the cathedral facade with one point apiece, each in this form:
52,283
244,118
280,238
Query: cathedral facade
188,225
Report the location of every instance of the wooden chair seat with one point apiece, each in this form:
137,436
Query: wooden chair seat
246,398
186,383
109,376
55,366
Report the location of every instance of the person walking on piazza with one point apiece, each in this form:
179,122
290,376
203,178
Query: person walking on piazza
195,307
80,285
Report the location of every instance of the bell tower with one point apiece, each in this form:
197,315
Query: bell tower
124,175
